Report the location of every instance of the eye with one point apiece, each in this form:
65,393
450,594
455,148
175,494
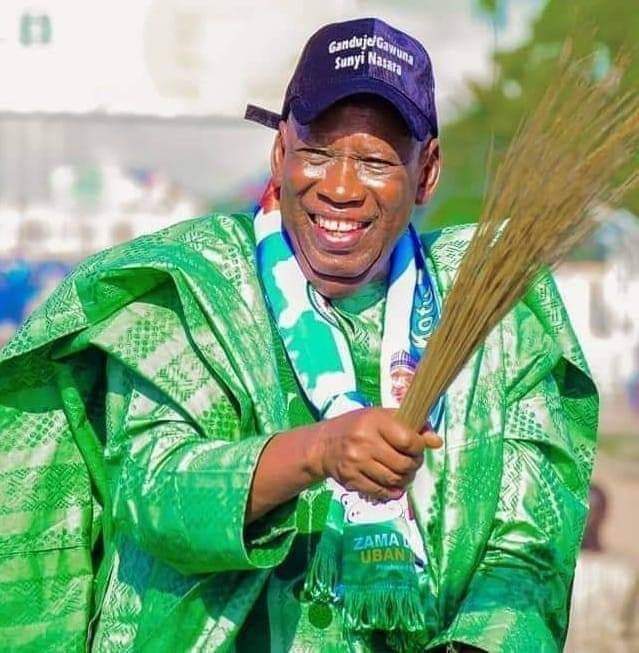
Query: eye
314,156
374,163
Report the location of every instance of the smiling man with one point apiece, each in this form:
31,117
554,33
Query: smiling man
200,449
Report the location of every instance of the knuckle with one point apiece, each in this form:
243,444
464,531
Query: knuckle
360,431
404,440
376,495
351,453
384,496
359,421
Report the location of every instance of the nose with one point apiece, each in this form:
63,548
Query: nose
341,186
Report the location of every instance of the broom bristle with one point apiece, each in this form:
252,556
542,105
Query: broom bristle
570,158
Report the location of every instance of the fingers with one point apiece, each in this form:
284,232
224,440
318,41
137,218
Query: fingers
371,446
397,462
373,490
404,439
386,477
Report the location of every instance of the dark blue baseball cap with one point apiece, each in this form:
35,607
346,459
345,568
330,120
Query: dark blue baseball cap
365,55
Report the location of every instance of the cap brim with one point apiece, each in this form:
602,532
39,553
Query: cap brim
262,116
313,104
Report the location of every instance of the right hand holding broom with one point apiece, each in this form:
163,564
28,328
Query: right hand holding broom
370,451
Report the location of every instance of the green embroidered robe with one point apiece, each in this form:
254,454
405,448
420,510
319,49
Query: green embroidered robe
134,406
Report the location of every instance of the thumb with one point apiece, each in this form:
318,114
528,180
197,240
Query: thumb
431,439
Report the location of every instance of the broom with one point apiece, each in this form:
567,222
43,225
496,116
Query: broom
575,154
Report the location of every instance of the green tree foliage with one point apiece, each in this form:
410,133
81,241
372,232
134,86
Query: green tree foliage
597,29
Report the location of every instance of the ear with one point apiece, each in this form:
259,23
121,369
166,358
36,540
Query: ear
430,168
277,155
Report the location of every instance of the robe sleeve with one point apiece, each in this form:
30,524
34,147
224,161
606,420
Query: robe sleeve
519,597
181,494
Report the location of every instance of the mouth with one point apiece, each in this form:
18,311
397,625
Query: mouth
338,235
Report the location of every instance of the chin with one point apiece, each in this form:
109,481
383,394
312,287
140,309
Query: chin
336,274
335,290
334,287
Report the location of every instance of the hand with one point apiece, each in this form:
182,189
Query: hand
370,451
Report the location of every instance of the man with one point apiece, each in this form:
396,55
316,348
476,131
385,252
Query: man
196,456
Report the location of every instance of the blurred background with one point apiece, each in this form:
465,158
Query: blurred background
119,118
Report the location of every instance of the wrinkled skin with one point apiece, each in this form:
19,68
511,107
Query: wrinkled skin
356,163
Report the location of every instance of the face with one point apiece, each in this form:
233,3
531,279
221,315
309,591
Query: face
401,378
347,184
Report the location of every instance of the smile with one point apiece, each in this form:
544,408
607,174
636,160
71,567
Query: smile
338,225
333,234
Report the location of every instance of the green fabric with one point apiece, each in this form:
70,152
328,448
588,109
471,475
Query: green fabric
361,318
134,406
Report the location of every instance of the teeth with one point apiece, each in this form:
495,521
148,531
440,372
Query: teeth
338,225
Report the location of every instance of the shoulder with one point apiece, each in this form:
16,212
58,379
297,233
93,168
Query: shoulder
212,231
214,228
446,247
213,248
461,233
540,315
189,243
444,250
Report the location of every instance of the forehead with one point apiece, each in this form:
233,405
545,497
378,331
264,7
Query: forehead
364,116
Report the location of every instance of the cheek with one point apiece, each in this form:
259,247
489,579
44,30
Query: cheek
299,175
375,181
312,173
394,192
